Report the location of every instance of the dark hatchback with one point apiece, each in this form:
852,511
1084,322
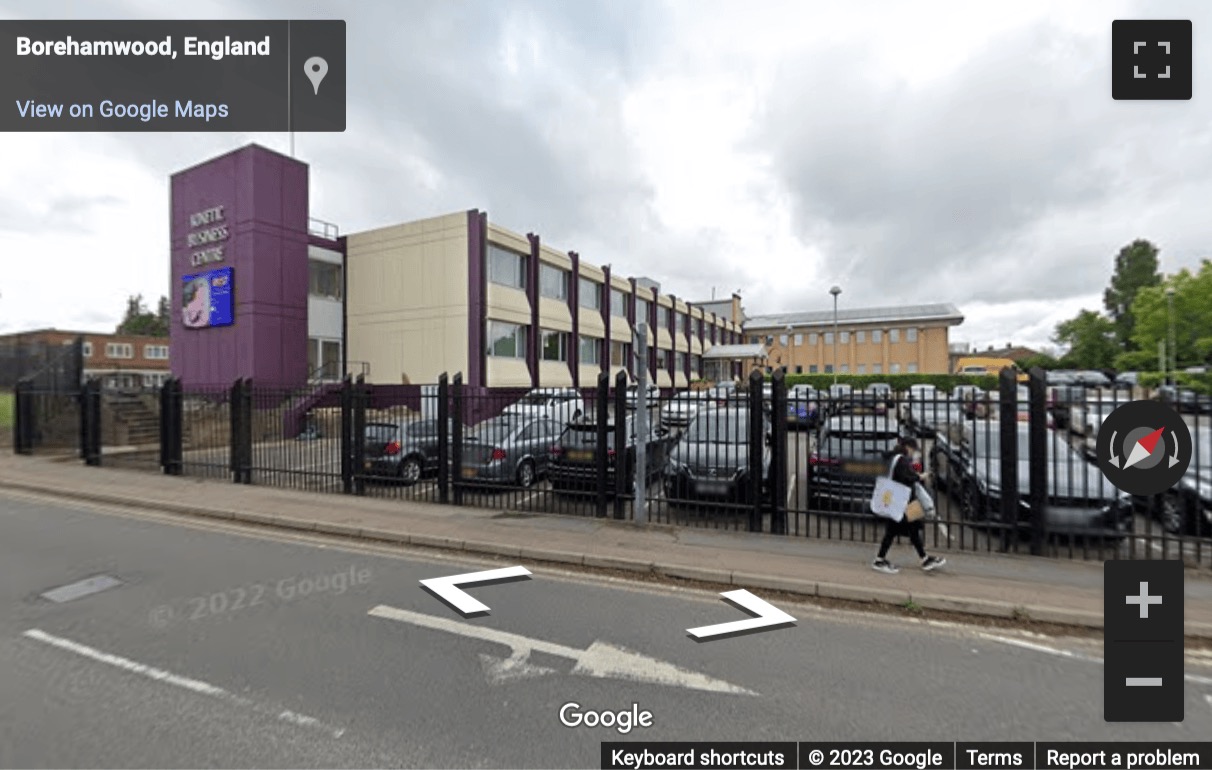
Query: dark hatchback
852,451
403,451
573,466
711,459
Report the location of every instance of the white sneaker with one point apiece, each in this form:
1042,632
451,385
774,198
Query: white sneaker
885,566
932,563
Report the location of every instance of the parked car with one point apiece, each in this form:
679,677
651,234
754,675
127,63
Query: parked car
852,451
1126,380
679,411
1186,509
562,405
926,410
880,394
1091,378
405,451
1080,501
652,400
1087,417
1184,399
509,449
573,464
710,462
804,407
972,401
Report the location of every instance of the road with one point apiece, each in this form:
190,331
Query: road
159,672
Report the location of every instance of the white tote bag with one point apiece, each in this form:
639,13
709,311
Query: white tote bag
924,498
890,498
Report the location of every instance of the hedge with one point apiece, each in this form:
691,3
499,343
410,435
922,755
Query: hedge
1200,383
899,382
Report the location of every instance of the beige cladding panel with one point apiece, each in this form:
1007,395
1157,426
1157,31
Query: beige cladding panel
554,314
591,323
507,373
508,304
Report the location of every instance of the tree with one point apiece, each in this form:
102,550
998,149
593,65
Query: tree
1135,269
140,321
1041,360
1192,317
1090,338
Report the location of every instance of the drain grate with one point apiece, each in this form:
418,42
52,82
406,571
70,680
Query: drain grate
81,588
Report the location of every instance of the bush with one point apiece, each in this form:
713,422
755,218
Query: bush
1200,383
899,382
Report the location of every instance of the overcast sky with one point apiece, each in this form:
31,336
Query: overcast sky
909,152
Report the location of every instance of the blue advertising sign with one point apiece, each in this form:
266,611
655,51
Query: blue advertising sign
206,299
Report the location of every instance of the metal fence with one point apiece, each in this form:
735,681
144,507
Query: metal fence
1011,470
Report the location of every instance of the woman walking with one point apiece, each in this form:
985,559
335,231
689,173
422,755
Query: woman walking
906,452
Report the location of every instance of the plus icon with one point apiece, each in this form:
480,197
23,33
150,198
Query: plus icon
1151,59
1144,600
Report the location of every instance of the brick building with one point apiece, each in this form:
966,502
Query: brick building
120,361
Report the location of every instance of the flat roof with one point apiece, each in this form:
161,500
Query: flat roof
937,312
748,350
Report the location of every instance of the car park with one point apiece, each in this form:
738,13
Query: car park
509,449
404,451
1087,417
1080,502
1186,509
879,395
573,464
562,405
679,411
926,410
652,400
1126,381
1184,399
852,451
710,462
803,407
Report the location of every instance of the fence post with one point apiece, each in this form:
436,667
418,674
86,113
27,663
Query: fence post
18,417
757,447
347,434
92,422
26,420
1008,411
600,456
164,426
1037,453
620,442
176,416
443,438
456,449
778,454
82,419
360,402
241,431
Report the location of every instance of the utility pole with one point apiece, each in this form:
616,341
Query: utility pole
640,503
836,290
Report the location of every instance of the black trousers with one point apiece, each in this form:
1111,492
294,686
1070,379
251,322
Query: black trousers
911,529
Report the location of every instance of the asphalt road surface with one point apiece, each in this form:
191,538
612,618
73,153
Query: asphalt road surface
223,647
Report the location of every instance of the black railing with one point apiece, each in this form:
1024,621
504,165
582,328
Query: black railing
1010,471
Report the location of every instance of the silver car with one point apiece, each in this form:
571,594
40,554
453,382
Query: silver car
509,449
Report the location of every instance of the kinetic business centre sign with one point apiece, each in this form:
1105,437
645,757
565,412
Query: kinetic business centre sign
208,231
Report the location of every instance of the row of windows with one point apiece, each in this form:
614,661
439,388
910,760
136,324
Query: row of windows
877,336
508,268
127,350
860,369
508,340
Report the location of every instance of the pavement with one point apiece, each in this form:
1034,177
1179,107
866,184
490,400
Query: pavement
1016,587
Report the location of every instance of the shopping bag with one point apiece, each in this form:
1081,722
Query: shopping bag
890,498
925,499
914,511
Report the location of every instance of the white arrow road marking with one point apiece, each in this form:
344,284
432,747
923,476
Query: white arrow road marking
447,588
185,683
767,615
602,660
516,666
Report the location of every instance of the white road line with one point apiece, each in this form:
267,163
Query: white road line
193,685
1194,678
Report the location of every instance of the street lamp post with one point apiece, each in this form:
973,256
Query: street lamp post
1172,353
836,290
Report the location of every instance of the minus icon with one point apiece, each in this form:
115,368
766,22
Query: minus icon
1144,681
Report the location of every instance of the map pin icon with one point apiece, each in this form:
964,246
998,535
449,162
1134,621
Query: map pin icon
315,68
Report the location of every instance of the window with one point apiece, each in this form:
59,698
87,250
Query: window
799,340
618,303
828,368
506,340
783,340
324,279
860,337
911,335
119,350
591,351
662,317
698,364
88,350
679,363
641,311
555,345
620,352
155,352
844,338
894,335
769,340
877,368
814,339
828,338
553,282
912,368
812,369
862,368
505,267
330,359
754,340
590,294
799,369
681,322
877,336
662,360
894,369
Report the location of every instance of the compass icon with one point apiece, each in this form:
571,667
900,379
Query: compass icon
1144,448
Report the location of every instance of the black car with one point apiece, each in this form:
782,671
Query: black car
1080,502
1186,509
711,459
1184,399
573,466
404,451
852,451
